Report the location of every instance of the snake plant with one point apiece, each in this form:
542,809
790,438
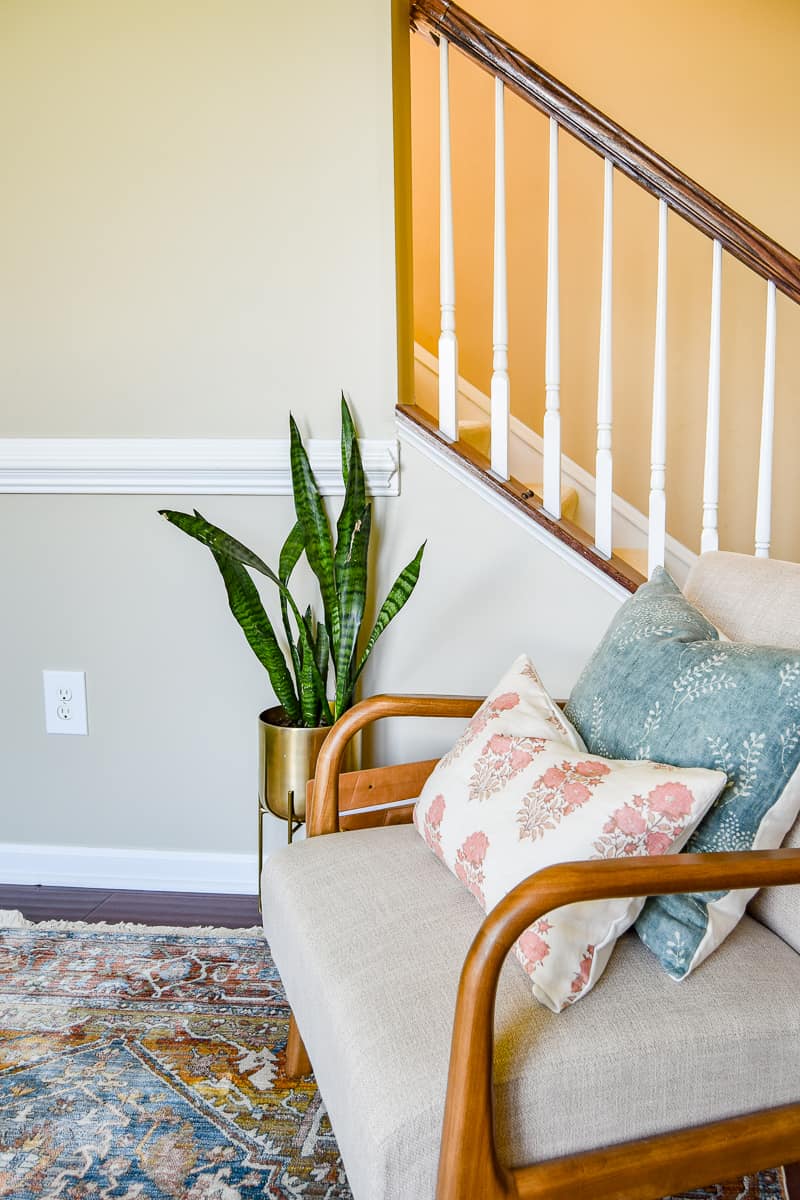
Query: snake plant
300,678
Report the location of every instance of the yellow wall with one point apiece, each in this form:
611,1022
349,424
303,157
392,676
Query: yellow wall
196,235
196,217
713,88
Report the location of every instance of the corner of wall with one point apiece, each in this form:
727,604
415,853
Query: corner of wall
401,119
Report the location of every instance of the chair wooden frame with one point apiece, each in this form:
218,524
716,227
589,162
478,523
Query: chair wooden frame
469,1166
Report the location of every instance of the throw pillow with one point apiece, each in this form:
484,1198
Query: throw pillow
510,799
662,685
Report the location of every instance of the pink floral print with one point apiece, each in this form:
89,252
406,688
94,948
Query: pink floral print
532,948
432,830
555,721
558,792
488,710
518,792
469,863
647,824
581,981
530,672
501,760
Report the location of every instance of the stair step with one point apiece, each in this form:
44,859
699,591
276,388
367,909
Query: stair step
634,556
477,434
569,500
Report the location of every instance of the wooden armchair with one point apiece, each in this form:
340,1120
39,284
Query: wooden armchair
469,1165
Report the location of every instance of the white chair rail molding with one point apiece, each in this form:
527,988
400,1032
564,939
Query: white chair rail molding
184,466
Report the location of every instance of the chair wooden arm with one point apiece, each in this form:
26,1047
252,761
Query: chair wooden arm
323,811
469,1166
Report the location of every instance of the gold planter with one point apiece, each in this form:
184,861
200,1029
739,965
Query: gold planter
287,759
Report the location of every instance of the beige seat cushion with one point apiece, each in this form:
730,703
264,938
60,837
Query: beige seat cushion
369,932
779,908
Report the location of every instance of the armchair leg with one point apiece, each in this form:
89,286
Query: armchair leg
297,1061
792,1174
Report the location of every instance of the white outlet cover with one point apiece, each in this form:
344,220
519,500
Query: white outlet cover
65,702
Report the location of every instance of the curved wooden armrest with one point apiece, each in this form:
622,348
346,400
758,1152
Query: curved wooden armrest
468,1165
323,816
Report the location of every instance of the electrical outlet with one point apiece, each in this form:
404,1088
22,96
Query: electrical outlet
65,702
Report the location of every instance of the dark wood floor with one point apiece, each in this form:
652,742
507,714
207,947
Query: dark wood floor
146,908
793,1181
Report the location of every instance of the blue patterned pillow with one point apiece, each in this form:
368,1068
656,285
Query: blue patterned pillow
662,685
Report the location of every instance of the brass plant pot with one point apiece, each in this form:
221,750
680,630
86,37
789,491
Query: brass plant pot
287,760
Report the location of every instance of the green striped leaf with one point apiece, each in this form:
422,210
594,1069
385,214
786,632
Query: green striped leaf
352,601
313,519
355,499
290,553
217,540
203,531
400,591
322,652
309,701
245,604
348,435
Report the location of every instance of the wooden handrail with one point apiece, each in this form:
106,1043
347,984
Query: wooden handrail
412,417
591,127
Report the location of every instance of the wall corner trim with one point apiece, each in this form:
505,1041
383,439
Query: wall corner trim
183,466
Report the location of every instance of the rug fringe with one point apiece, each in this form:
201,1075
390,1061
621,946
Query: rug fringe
12,919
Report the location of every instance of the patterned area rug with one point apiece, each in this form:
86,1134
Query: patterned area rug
142,1064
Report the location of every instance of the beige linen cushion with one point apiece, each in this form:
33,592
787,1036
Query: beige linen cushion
749,599
369,934
779,908
756,600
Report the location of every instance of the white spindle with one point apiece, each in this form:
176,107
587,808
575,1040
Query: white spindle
764,504
501,388
552,363
448,343
709,539
604,484
658,442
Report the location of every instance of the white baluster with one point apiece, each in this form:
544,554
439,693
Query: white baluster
709,539
448,342
552,361
658,441
764,504
501,387
604,483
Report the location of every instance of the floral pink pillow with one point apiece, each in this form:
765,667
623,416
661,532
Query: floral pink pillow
518,792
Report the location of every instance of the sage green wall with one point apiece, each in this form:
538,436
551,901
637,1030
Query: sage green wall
101,584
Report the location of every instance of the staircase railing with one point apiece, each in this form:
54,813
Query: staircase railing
447,24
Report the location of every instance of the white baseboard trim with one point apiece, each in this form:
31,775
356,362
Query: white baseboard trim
184,466
137,870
